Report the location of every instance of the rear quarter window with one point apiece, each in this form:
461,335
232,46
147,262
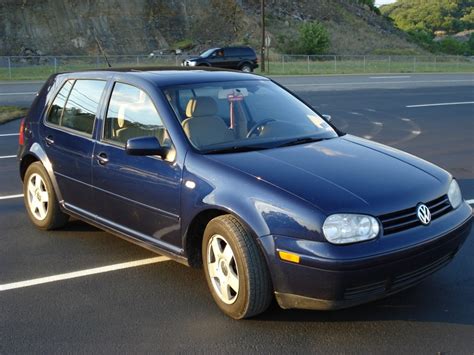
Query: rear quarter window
248,52
59,102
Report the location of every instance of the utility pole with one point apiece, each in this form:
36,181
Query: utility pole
262,49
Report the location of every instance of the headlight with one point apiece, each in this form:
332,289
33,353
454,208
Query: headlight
454,194
192,64
350,228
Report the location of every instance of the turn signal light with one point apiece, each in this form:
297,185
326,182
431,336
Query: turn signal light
293,258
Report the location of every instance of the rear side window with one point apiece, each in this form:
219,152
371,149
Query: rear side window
82,104
231,52
57,107
239,52
76,104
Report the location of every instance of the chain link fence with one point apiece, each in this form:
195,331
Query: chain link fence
40,67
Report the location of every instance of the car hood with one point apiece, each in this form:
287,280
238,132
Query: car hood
194,58
345,174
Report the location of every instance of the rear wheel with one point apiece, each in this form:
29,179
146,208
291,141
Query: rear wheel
40,199
236,271
246,68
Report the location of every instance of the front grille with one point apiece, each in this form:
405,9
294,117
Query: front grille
405,219
397,282
413,277
367,290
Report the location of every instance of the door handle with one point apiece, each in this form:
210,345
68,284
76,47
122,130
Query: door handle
49,140
102,158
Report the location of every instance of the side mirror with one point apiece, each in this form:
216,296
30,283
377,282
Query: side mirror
145,146
327,118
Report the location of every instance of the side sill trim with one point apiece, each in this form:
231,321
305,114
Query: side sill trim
134,237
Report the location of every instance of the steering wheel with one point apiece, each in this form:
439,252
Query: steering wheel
258,125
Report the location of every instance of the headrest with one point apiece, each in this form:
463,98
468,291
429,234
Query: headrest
201,106
121,116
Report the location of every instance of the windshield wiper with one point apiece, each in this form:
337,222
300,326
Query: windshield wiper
235,149
300,141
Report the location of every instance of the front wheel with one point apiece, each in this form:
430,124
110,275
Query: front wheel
40,199
235,269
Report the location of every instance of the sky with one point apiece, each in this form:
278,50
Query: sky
383,2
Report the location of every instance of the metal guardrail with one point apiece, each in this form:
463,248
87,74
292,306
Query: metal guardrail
40,67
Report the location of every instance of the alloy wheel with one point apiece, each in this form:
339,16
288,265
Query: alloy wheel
38,197
222,269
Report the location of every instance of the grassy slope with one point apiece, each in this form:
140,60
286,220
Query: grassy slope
9,113
353,29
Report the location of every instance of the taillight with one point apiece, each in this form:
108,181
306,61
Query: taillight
21,137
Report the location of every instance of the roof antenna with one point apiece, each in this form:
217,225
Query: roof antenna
102,51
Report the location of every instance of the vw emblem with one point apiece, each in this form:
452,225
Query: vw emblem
424,214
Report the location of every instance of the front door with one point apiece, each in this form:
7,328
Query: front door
218,59
138,195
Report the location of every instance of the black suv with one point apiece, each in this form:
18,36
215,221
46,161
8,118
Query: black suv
241,58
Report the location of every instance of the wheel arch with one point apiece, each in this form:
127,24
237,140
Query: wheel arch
195,232
245,62
37,154
25,162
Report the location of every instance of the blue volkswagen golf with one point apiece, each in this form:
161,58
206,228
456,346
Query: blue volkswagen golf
232,173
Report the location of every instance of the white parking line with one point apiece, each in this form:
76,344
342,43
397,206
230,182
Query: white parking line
87,272
17,93
9,134
8,156
442,104
10,197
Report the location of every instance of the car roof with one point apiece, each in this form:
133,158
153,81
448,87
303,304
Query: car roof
169,76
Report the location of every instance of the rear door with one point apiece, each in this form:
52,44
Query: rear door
67,133
138,195
232,57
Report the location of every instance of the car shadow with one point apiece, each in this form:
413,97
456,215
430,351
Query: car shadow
426,302
76,225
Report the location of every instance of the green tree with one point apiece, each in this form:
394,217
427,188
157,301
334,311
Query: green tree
371,5
431,15
451,46
313,39
470,44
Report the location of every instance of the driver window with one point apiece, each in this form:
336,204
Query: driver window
132,114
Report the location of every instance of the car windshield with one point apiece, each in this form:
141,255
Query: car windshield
207,53
236,116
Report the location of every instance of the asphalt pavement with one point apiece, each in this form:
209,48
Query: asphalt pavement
166,307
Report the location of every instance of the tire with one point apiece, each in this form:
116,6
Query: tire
246,68
243,263
40,199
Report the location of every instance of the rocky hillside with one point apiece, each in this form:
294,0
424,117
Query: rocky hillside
56,27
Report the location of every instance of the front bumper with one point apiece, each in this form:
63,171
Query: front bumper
327,279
